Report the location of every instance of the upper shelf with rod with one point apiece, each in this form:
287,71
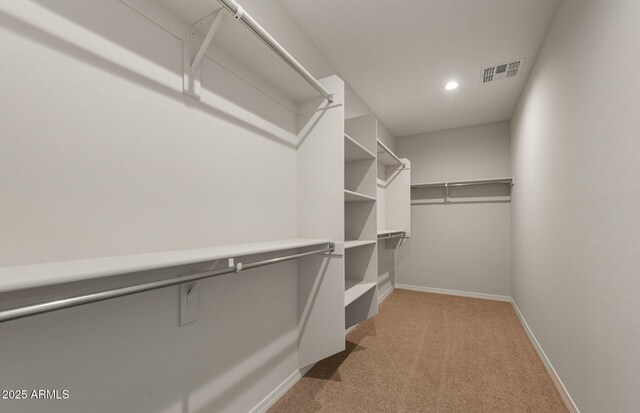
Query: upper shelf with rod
492,181
21,277
501,191
191,83
38,275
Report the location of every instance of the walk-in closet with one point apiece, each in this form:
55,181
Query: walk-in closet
305,206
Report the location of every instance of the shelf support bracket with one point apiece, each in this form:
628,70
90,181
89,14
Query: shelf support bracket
192,69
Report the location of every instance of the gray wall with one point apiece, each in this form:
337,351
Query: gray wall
576,231
102,154
462,247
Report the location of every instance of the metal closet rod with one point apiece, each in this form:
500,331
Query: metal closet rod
263,35
401,234
387,150
464,183
48,306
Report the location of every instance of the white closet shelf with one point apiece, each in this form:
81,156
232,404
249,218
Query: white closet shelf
389,231
355,243
468,200
354,151
355,289
29,276
350,196
386,156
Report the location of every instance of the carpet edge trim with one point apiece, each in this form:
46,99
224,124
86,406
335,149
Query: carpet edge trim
564,393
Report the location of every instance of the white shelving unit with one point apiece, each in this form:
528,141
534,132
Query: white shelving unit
393,179
394,195
360,296
377,204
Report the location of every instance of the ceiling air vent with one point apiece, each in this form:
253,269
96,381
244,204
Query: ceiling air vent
501,71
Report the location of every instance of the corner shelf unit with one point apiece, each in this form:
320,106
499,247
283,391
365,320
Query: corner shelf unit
360,187
393,195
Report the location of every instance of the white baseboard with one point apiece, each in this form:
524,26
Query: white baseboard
566,397
273,397
468,294
384,295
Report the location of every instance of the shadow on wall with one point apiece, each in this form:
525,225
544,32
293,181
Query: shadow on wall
165,52
311,115
328,369
357,214
317,270
133,347
217,394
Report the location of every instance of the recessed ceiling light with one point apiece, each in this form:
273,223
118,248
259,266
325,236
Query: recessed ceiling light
452,85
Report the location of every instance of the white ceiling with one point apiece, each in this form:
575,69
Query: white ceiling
398,54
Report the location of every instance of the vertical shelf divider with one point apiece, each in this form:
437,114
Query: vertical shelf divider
321,212
361,263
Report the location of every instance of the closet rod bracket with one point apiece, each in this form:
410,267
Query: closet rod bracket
191,76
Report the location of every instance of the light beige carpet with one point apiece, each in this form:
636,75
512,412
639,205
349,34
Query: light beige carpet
430,353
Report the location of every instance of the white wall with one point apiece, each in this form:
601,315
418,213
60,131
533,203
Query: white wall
464,247
460,154
355,106
101,154
576,232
